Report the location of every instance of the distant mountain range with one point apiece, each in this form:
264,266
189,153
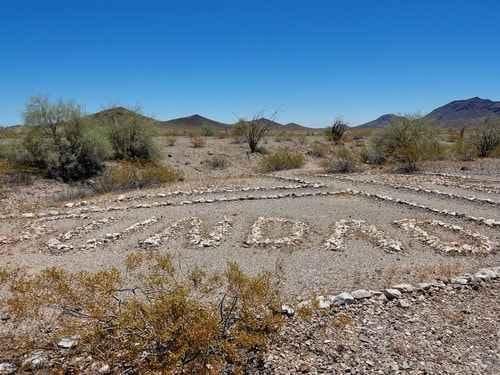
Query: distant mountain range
456,114
190,122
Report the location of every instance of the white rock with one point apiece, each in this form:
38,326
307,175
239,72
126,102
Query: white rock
404,303
343,298
37,360
68,342
7,368
287,310
361,293
323,303
392,293
485,274
459,280
408,288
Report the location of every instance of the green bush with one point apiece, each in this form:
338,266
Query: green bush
372,155
207,131
406,141
281,160
486,138
342,161
132,138
60,142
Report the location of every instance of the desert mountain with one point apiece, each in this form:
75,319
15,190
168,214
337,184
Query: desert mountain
380,122
468,112
186,123
456,114
194,122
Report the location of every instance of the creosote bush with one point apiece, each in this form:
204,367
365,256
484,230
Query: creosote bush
282,159
145,319
406,141
132,138
342,161
135,175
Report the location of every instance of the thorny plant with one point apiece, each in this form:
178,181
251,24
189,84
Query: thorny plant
147,318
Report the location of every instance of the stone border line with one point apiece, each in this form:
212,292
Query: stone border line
395,292
415,189
477,184
84,211
226,189
386,198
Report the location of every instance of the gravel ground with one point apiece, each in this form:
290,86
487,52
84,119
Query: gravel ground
449,331
307,267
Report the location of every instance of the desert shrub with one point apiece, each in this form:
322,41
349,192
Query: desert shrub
282,159
370,154
463,149
283,136
217,162
145,319
197,141
12,173
406,141
132,138
319,149
336,131
254,131
60,142
171,141
486,138
207,131
135,175
342,161
237,132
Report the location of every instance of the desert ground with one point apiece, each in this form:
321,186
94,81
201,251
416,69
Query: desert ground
320,234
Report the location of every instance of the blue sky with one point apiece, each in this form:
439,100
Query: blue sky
311,61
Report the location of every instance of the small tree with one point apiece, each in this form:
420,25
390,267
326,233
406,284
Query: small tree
335,132
61,142
486,138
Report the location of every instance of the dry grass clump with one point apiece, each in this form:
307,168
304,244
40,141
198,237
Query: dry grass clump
171,141
197,141
217,162
15,174
282,159
142,320
135,175
319,149
342,161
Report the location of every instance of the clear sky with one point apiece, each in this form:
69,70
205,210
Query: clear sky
310,60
